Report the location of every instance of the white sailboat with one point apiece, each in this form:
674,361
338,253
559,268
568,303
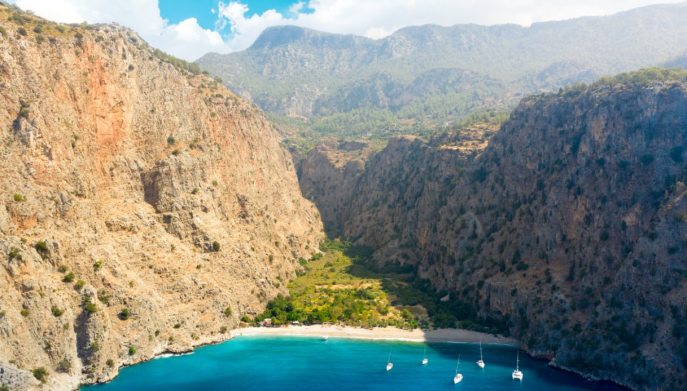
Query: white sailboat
480,362
517,374
425,360
459,376
389,364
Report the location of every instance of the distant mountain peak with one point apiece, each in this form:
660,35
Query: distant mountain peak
276,36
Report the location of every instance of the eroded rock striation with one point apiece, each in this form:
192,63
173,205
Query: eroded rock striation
569,228
143,208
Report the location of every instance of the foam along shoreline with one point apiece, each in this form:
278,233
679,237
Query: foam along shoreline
378,333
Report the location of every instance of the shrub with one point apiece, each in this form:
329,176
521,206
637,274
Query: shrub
676,154
79,285
176,152
19,197
132,350
604,236
89,306
171,140
41,374
24,312
227,312
38,29
176,62
22,31
646,159
223,329
195,190
215,246
64,365
56,311
104,297
14,254
521,266
124,314
41,247
69,277
95,347
3,32
109,363
97,265
62,269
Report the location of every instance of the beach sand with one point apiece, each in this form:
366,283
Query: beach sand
386,333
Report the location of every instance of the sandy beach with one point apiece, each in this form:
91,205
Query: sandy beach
386,333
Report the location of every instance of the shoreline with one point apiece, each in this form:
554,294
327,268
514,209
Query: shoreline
374,334
378,334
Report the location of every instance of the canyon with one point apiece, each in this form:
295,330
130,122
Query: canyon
147,209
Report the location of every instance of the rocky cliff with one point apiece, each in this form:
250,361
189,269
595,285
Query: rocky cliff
143,208
569,228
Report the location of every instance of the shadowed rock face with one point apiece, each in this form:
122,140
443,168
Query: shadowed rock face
163,193
569,228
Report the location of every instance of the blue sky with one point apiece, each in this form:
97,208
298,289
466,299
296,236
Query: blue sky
176,11
192,28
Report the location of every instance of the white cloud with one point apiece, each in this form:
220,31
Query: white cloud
187,39
237,28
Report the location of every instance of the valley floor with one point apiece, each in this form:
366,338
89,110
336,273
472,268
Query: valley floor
378,333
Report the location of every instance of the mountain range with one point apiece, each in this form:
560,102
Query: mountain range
424,77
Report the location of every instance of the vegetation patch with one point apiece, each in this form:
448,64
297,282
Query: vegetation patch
343,286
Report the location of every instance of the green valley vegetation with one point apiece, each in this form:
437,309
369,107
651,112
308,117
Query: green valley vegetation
342,286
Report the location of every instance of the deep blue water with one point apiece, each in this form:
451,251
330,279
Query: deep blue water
289,363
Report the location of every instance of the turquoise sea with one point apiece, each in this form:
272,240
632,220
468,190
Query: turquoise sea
294,363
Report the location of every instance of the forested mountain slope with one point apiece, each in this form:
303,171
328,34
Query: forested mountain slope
427,76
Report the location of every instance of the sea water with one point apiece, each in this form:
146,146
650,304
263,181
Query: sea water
300,363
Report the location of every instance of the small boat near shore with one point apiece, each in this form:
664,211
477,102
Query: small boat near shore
459,376
517,374
389,364
480,362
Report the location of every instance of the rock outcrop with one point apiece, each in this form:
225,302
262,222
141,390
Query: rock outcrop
143,208
569,229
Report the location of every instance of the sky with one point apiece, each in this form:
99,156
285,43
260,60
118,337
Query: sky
190,28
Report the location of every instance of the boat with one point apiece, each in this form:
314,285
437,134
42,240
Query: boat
325,337
517,374
480,362
425,360
459,376
389,364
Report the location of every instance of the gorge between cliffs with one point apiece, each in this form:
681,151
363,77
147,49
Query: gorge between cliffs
147,209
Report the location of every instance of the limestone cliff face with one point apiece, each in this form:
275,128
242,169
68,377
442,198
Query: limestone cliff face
143,209
569,228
